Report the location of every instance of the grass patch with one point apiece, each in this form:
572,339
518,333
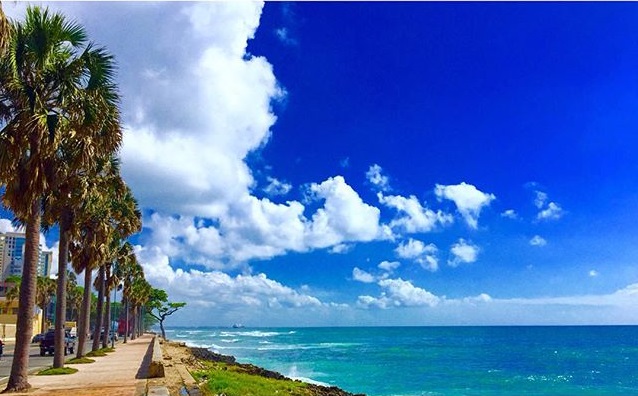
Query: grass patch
58,371
82,360
108,350
97,353
229,380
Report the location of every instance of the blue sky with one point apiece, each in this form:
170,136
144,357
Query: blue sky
381,163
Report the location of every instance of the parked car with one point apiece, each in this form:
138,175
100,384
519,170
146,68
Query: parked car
48,343
112,335
37,338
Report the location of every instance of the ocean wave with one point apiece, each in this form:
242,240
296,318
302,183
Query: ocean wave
310,381
338,344
293,373
257,333
231,341
549,378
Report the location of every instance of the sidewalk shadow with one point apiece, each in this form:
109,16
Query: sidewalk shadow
142,372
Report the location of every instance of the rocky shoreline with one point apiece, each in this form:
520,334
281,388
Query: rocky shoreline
317,390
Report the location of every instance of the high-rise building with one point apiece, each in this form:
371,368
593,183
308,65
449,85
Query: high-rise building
12,256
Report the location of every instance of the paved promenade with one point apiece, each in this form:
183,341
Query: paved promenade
120,373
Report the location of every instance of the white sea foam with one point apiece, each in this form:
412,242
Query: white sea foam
257,333
231,341
294,374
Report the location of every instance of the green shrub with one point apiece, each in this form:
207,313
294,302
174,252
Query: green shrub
58,371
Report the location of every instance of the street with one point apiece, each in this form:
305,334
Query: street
35,360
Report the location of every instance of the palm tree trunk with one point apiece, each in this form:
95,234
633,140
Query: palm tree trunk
85,313
43,325
18,379
97,332
126,321
134,324
60,296
107,320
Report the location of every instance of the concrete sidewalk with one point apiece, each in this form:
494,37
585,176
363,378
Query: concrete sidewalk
120,373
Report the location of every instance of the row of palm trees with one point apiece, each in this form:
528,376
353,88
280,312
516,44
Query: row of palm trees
61,130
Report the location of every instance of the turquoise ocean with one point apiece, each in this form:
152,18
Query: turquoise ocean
411,361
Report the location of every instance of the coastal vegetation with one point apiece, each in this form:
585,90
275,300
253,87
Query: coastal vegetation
216,374
161,308
60,132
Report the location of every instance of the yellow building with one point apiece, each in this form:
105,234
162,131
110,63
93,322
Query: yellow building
9,317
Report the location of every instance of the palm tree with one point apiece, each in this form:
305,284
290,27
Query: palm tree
5,30
95,133
45,290
128,271
13,289
112,281
38,76
74,301
109,213
140,294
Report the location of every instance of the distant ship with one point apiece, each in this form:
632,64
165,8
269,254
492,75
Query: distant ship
238,326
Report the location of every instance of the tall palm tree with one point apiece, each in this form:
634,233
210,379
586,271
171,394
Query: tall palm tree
95,133
38,75
112,281
5,30
140,293
125,220
88,247
129,270
110,212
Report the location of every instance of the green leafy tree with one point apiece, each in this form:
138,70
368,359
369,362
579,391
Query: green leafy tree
45,290
160,308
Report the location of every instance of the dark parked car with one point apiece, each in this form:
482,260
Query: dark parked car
48,343
112,335
37,338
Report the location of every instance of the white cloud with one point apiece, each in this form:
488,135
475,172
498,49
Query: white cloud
468,200
259,228
540,199
510,214
362,276
547,211
413,216
421,253
6,226
376,178
277,187
195,287
344,216
341,248
626,297
389,266
399,293
552,212
593,273
481,298
463,252
225,98
283,34
537,240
